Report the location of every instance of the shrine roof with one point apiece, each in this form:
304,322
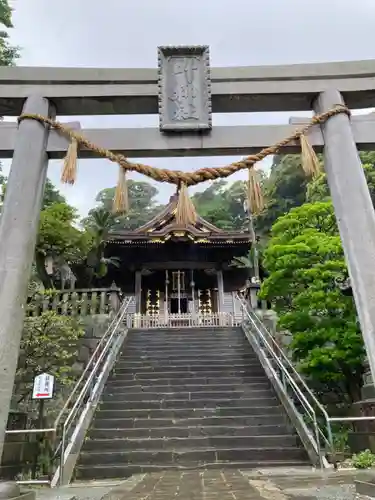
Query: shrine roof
164,227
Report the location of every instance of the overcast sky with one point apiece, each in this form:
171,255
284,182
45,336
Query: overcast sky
118,33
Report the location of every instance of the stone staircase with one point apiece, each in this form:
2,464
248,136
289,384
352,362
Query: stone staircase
194,398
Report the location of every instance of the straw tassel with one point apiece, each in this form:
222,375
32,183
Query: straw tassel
185,211
121,199
254,193
69,170
310,162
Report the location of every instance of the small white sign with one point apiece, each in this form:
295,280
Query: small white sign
43,386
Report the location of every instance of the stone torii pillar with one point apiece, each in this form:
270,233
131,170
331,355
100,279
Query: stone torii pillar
354,212
18,230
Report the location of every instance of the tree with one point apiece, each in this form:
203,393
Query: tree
304,260
51,195
285,188
318,190
49,344
94,264
222,204
58,238
8,53
8,56
142,206
244,261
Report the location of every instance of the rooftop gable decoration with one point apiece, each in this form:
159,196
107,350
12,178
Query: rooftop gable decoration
166,226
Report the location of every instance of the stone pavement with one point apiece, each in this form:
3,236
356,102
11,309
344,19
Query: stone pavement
229,484
232,484
194,485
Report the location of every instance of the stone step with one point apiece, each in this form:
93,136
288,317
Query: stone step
181,355
159,346
124,395
187,399
185,339
196,443
201,367
188,404
189,344
177,336
137,422
190,457
192,374
186,330
144,361
125,471
191,350
184,333
178,413
186,432
206,383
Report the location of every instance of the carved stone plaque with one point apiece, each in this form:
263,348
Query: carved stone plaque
184,88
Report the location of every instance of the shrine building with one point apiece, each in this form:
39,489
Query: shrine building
178,272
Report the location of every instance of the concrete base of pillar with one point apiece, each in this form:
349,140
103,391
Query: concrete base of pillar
368,392
363,437
365,487
270,320
11,491
28,495
368,389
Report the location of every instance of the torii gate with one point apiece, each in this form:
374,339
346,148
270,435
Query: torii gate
186,91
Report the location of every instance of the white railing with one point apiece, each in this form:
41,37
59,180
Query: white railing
309,416
188,320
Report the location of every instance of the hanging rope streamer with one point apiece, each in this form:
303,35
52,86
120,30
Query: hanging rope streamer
121,199
311,163
185,210
309,160
254,192
69,171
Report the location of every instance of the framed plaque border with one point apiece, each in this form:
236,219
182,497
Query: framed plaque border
163,53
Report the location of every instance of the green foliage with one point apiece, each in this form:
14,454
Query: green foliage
142,206
287,187
57,233
244,262
8,53
222,204
94,264
304,260
340,440
58,237
284,189
5,14
317,190
51,195
49,344
363,460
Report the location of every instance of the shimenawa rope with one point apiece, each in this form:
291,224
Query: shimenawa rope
310,162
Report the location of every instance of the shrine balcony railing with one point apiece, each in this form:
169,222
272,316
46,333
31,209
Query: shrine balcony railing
183,320
77,302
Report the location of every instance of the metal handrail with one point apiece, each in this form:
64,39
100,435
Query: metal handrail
290,374
91,371
351,419
88,389
255,318
111,330
120,313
